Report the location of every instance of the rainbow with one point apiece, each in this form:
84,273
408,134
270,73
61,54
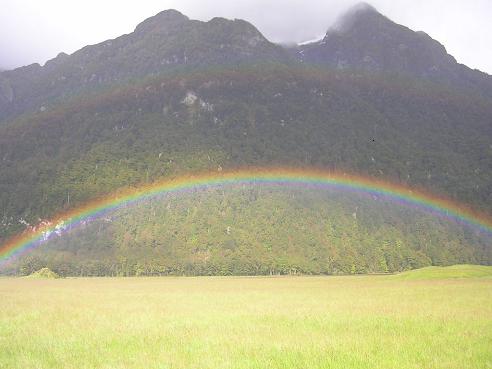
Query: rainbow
440,206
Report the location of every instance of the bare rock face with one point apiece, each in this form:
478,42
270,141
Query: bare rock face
190,98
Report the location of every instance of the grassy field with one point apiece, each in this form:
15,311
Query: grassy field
415,320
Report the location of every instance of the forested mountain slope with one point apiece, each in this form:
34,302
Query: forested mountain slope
179,95
259,230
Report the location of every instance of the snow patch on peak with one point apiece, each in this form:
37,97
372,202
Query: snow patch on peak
312,41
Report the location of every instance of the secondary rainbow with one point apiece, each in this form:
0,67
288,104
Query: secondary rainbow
440,206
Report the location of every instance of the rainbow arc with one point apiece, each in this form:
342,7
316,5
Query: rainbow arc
439,206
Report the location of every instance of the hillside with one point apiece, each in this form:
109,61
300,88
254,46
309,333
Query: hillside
259,230
449,272
179,95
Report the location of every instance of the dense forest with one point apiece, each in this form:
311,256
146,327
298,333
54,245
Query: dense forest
259,229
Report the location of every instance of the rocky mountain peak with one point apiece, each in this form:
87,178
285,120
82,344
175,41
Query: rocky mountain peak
365,39
360,10
361,15
165,18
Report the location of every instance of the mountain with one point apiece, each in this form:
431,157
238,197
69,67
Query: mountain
169,41
179,96
364,39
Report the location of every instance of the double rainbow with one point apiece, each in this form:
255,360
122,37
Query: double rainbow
279,176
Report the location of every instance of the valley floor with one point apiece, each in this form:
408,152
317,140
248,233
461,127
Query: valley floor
259,322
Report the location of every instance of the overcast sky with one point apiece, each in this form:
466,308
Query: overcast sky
37,30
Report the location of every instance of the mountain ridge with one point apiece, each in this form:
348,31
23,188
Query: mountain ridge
163,43
65,75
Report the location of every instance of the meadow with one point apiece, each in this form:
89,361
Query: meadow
431,318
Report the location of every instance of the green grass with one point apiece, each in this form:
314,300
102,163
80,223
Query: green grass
212,322
455,271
